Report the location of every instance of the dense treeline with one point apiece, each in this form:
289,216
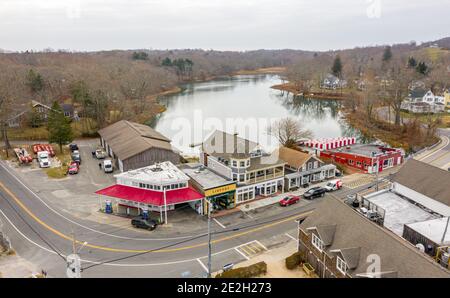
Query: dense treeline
111,85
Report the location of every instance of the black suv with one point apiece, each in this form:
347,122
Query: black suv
140,223
314,193
73,147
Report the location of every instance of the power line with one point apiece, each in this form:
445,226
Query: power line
49,244
184,241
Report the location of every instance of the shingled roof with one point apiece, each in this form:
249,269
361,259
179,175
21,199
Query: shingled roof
426,179
128,139
294,158
356,238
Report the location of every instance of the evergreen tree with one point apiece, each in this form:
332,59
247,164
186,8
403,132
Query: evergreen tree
59,129
422,68
166,62
140,56
387,55
337,66
35,81
412,63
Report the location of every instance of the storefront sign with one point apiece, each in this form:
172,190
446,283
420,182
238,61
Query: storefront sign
220,190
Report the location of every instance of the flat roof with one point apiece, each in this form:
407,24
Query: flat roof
360,149
204,176
433,229
159,173
398,211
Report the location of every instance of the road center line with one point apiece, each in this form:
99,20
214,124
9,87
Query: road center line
66,237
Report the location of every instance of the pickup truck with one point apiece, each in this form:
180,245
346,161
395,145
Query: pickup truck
100,154
43,159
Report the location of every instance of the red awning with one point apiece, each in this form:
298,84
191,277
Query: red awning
150,197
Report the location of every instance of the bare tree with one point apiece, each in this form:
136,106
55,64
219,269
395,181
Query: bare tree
288,131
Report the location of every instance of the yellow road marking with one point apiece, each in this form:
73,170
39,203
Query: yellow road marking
111,249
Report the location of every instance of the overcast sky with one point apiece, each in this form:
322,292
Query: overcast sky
218,24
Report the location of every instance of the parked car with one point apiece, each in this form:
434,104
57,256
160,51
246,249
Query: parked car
73,168
334,185
73,147
314,192
100,153
108,166
140,223
289,200
43,159
338,173
76,157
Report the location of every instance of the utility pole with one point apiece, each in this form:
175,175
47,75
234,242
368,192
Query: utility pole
165,205
74,261
445,230
209,238
378,169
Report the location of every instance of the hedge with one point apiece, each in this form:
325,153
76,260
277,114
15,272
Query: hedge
245,272
294,260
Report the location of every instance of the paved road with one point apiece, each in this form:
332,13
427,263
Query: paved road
439,156
39,232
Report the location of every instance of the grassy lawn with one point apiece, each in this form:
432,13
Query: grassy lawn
445,118
65,159
84,128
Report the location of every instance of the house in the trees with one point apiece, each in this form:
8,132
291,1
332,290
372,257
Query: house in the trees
332,82
257,174
421,101
337,241
35,109
303,168
133,145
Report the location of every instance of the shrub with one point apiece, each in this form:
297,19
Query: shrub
293,261
245,272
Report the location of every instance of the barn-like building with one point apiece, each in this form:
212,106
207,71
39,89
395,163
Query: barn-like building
133,145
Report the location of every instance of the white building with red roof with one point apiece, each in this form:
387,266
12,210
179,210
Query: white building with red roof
152,188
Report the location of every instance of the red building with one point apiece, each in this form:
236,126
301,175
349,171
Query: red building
366,157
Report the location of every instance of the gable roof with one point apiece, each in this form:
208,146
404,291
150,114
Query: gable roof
128,139
228,145
426,179
353,230
417,93
294,158
351,256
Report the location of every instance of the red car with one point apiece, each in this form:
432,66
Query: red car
289,200
73,168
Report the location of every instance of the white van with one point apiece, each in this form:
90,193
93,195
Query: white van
108,166
334,185
43,159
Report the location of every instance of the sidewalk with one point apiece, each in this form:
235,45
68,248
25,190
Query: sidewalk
246,207
275,260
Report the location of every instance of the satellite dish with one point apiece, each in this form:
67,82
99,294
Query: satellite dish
420,247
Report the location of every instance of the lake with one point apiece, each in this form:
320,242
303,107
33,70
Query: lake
245,104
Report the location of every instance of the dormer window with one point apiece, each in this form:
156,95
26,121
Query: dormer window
341,265
317,242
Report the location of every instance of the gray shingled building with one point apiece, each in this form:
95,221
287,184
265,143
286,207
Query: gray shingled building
134,145
350,245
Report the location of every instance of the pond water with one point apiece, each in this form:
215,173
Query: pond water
246,105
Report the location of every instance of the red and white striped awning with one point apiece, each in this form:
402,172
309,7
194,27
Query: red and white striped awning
327,144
